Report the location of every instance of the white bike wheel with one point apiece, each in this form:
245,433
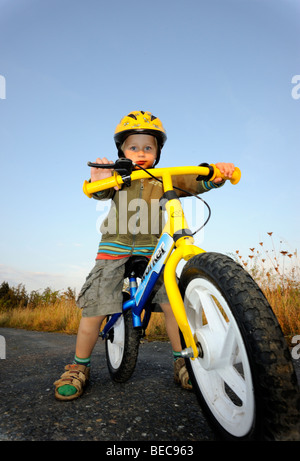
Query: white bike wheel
122,347
116,346
243,378
223,373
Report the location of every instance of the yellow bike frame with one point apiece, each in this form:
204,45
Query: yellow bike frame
183,247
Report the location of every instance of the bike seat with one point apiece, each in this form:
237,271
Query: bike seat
136,264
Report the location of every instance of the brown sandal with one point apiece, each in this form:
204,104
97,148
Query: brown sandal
75,375
181,375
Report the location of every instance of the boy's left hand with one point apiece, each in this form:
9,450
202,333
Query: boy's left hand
226,169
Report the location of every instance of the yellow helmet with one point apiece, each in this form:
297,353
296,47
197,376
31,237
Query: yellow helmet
140,122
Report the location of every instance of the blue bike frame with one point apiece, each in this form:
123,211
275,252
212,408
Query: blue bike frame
140,295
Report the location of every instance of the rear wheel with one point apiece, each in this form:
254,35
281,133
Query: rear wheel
244,377
122,348
123,340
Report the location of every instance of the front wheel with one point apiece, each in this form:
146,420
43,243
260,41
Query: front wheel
122,347
243,378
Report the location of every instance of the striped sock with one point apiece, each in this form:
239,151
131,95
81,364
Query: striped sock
176,355
86,362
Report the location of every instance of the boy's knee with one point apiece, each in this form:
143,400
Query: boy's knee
90,323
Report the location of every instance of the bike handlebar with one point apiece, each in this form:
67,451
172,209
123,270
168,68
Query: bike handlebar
123,173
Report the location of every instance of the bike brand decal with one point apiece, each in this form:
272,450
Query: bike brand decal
155,264
156,257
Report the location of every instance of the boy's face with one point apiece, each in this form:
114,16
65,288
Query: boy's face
141,149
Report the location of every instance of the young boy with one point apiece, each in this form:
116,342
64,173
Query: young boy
140,137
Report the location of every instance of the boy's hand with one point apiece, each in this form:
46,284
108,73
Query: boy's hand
101,173
226,169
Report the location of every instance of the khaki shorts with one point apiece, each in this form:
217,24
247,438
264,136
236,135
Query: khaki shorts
101,293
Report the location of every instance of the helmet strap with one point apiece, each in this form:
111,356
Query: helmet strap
120,153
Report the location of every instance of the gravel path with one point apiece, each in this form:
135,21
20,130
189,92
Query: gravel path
149,407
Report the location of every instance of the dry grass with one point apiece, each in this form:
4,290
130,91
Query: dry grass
276,271
285,302
62,316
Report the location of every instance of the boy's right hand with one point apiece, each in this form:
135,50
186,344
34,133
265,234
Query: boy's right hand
101,173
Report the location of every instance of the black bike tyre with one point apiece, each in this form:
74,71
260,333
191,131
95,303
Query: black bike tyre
125,369
276,392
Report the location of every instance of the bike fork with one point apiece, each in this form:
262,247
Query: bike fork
126,305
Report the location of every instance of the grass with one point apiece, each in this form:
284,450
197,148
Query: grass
275,271
64,317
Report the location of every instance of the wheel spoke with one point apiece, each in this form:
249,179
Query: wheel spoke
116,347
214,317
229,350
234,381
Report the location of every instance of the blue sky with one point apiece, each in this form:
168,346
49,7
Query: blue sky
217,72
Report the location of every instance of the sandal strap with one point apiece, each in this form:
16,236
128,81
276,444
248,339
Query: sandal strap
181,375
184,377
75,375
